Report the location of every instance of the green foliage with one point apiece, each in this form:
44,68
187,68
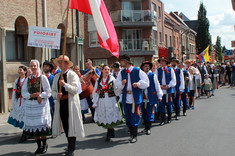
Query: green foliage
218,50
203,38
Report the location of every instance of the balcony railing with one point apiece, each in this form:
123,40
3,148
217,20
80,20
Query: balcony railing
133,16
138,44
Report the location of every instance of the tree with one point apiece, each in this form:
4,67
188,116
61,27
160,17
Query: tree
203,38
218,50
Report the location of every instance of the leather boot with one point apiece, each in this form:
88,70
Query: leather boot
39,149
44,146
148,127
163,122
112,134
134,134
23,138
177,113
71,146
108,135
169,118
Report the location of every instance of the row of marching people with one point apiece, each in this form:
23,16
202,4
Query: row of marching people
41,102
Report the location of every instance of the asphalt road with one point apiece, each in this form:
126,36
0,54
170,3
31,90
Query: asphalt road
209,130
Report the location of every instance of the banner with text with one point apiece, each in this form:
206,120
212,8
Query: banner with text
41,36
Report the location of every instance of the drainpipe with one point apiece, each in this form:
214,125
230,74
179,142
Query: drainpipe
45,25
4,89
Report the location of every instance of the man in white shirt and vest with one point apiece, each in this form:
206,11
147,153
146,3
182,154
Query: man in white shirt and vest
167,80
131,81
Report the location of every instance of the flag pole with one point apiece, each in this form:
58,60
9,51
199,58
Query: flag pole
41,69
64,45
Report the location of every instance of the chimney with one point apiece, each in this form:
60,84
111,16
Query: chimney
176,12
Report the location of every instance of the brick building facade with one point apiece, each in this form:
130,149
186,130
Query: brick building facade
16,17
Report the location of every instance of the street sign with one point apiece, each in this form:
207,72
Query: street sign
232,44
228,52
80,41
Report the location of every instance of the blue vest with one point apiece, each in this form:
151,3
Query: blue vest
137,93
178,81
152,93
186,90
50,79
168,78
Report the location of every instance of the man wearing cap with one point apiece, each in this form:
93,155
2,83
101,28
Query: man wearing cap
203,71
131,81
67,106
47,68
116,69
152,95
167,79
179,88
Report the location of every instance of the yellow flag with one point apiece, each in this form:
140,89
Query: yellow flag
206,54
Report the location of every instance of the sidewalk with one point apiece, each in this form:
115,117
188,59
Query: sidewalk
4,118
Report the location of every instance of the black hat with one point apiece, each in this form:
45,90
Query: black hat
163,58
48,63
173,59
146,62
116,65
126,58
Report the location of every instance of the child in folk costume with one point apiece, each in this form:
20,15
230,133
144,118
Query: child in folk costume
214,78
192,87
208,85
107,112
17,112
83,102
37,121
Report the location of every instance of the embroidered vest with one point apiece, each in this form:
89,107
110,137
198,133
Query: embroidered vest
18,89
35,87
110,90
152,93
168,78
137,93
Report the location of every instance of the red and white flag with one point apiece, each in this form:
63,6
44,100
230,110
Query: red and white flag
106,32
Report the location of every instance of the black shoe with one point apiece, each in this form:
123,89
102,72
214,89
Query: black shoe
44,149
38,151
133,140
22,139
162,123
177,118
185,114
143,131
148,132
70,153
168,121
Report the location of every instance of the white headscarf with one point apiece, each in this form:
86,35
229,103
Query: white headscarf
36,61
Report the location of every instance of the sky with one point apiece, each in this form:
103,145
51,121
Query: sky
219,12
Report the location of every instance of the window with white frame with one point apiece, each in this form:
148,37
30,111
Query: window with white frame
93,39
97,62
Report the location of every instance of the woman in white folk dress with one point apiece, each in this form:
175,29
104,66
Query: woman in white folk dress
107,112
37,123
17,112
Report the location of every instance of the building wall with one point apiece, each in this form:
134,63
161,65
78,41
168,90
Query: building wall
30,13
